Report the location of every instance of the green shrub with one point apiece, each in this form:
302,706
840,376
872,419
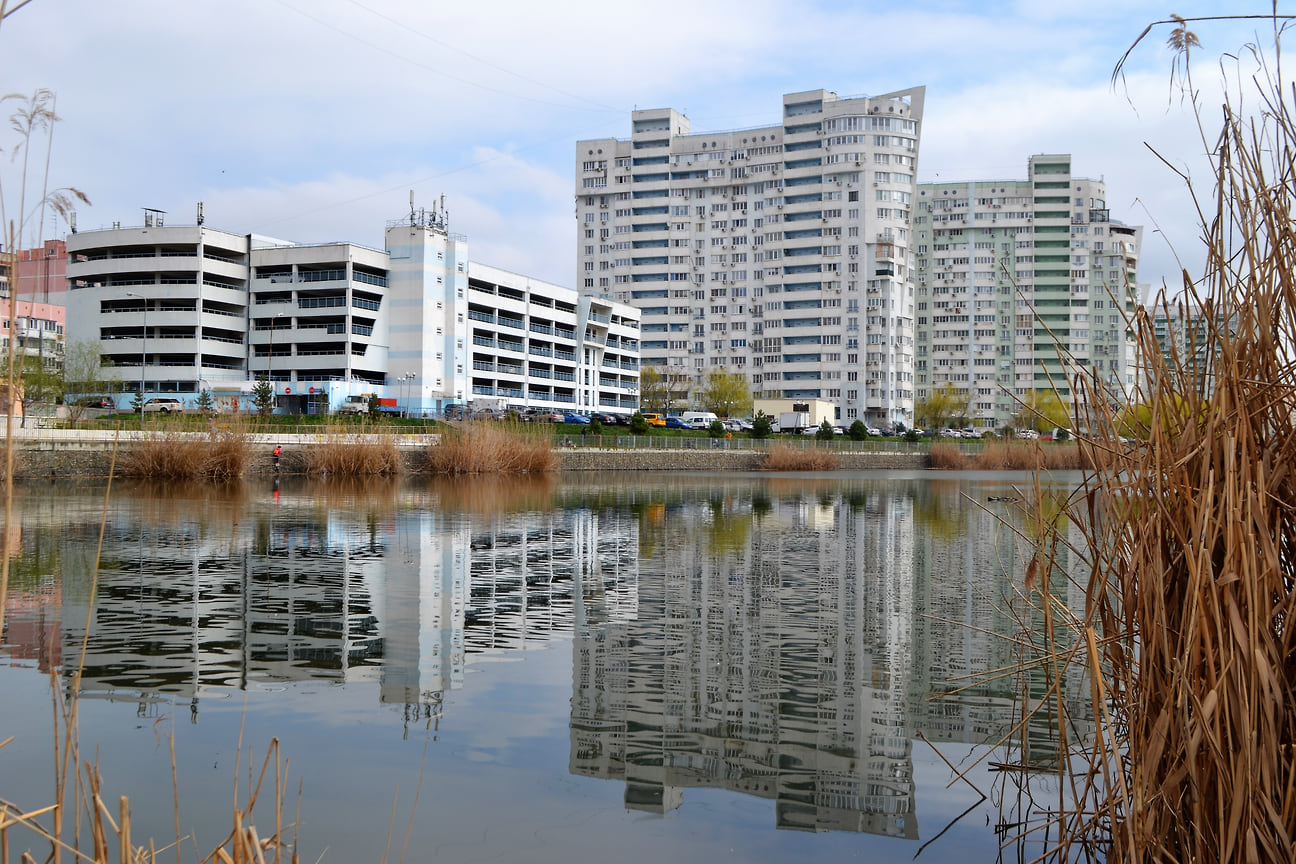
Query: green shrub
716,429
824,432
638,425
858,431
762,425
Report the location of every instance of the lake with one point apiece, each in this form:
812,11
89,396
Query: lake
636,668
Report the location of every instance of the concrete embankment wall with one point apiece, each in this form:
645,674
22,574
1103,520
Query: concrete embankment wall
35,459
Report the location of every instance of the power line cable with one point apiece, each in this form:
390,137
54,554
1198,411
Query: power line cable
420,65
481,60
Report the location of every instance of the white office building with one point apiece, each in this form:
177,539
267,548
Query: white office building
178,310
1022,285
782,253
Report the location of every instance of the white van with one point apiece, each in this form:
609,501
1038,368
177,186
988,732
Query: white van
699,419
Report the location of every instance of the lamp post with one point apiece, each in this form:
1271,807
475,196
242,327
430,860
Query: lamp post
143,351
270,362
405,379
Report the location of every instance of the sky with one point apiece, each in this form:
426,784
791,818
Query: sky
314,120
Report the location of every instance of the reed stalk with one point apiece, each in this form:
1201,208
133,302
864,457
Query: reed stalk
1189,541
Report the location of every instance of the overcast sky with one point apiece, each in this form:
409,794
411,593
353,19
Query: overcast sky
312,120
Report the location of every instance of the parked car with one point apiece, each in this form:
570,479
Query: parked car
578,419
732,425
676,423
96,402
1027,434
163,405
606,419
655,419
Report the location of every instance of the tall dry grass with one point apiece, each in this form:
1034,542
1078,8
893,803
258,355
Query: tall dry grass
353,456
218,455
492,448
1189,629
1007,456
784,457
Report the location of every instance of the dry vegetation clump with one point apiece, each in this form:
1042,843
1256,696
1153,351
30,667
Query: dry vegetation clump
177,456
944,455
492,447
1007,456
782,457
352,456
86,826
1188,634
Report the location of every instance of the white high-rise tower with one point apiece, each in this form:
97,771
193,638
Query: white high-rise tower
782,253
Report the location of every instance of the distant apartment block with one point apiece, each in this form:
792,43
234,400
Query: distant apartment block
1188,337
1022,285
178,310
782,252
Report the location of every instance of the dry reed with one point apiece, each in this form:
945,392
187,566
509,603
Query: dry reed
492,448
219,455
783,457
353,456
1007,456
1190,540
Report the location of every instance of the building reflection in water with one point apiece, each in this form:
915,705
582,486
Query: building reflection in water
784,639
792,644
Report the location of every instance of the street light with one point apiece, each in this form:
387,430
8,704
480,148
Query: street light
270,360
405,379
143,352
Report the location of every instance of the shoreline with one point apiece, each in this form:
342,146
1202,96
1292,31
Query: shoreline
88,460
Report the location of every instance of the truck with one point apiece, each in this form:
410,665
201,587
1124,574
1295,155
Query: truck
794,421
354,405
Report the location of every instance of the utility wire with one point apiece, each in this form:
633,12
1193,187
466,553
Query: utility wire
418,64
481,60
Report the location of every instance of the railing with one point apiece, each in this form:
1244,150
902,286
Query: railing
320,302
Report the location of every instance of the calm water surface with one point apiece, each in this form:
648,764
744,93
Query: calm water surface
629,668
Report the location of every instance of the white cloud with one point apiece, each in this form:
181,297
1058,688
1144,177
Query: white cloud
313,118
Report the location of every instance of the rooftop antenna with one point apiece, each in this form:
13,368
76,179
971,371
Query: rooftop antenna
412,218
153,217
201,215
72,221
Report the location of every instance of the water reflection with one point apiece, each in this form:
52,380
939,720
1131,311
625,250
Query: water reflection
781,638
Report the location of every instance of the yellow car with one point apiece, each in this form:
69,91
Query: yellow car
655,419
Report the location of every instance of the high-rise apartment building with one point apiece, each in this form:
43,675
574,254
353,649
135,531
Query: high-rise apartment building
1022,285
782,252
